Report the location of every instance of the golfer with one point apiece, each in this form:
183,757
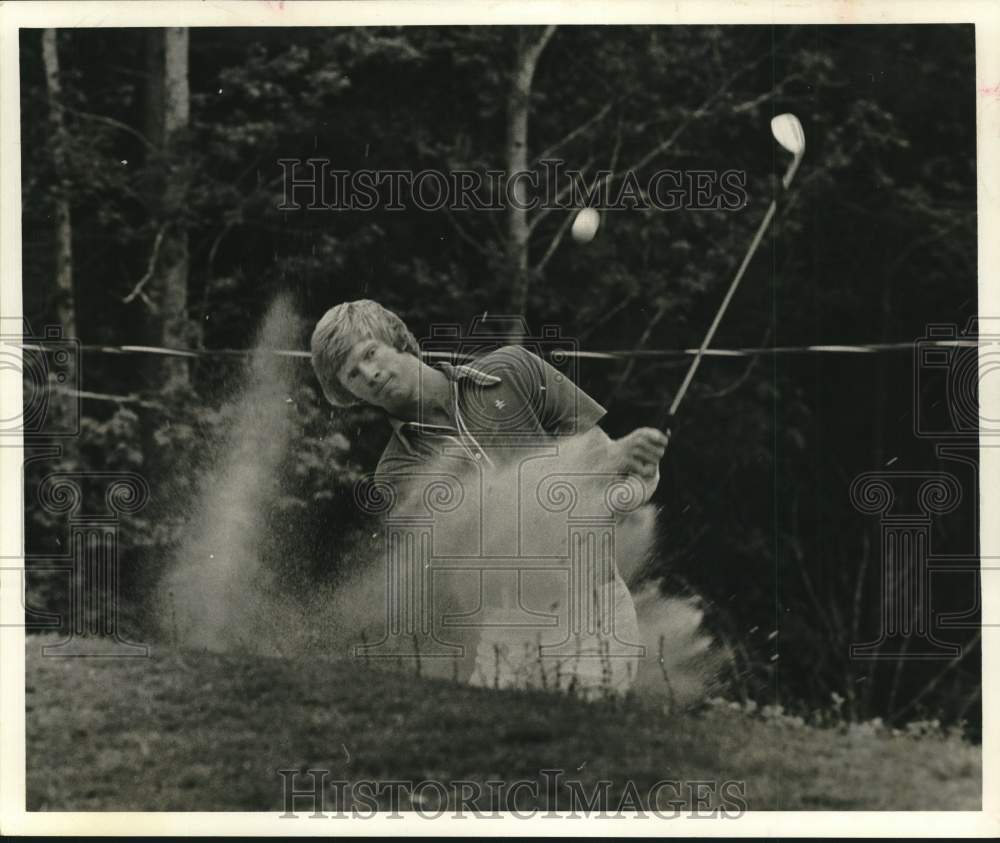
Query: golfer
479,416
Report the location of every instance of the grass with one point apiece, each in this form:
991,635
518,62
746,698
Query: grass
204,731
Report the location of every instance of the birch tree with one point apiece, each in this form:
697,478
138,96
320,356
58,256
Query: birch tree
530,44
164,286
65,306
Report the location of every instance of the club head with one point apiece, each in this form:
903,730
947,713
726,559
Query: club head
787,131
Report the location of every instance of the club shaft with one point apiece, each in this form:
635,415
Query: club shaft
722,309
787,180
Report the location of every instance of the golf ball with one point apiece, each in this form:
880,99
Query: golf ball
585,225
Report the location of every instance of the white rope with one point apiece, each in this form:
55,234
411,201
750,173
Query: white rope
867,348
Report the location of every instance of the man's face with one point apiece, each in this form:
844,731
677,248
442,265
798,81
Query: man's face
378,374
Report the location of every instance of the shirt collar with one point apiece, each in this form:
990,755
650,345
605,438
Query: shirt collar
463,372
456,374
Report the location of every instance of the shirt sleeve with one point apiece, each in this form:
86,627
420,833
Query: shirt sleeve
562,407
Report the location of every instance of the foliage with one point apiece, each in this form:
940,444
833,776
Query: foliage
877,240
314,483
835,717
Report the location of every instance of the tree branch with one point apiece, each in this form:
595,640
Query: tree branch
229,226
756,101
966,648
661,311
736,384
663,146
574,133
625,302
535,50
464,235
150,267
110,121
556,240
542,213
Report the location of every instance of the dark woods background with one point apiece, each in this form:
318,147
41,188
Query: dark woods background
151,192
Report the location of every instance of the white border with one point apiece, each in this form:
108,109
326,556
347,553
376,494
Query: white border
984,13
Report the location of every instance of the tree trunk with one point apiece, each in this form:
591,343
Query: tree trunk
65,303
168,111
530,45
177,117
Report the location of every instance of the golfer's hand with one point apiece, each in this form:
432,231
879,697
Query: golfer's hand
640,453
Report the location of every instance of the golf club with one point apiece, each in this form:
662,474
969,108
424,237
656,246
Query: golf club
787,131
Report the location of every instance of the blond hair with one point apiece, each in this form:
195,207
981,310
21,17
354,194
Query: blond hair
344,326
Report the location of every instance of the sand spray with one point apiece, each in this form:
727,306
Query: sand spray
220,594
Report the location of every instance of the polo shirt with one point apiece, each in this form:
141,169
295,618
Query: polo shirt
509,399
